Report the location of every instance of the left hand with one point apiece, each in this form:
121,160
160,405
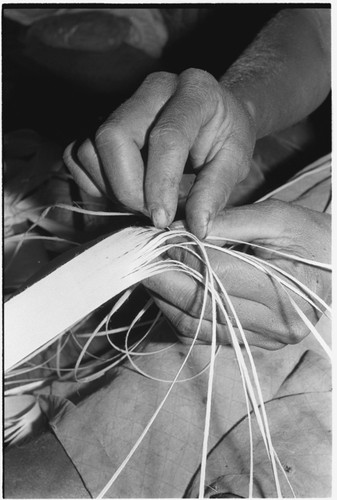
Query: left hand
265,311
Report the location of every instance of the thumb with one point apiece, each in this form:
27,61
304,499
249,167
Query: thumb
267,220
209,194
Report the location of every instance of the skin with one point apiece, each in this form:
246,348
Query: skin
278,80
266,314
176,118
281,78
179,298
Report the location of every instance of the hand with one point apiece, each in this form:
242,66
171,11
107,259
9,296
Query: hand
266,314
169,119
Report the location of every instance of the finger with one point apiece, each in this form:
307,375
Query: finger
279,225
266,221
187,326
185,294
240,279
120,139
123,167
81,169
224,149
169,144
211,191
179,224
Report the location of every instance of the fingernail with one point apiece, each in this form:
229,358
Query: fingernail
178,224
209,225
201,233
159,217
198,227
204,228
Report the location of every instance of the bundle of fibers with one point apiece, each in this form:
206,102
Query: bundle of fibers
113,266
108,265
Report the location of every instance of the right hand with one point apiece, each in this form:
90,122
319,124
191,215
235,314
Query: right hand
169,119
267,315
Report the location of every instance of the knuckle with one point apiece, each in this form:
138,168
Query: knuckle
157,87
108,133
197,75
166,135
102,135
298,332
161,77
201,87
184,324
187,326
291,329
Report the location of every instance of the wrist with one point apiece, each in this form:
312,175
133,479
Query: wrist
245,110
251,102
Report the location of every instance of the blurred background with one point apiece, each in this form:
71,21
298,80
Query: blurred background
65,70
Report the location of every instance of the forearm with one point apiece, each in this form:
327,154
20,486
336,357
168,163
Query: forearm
284,74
